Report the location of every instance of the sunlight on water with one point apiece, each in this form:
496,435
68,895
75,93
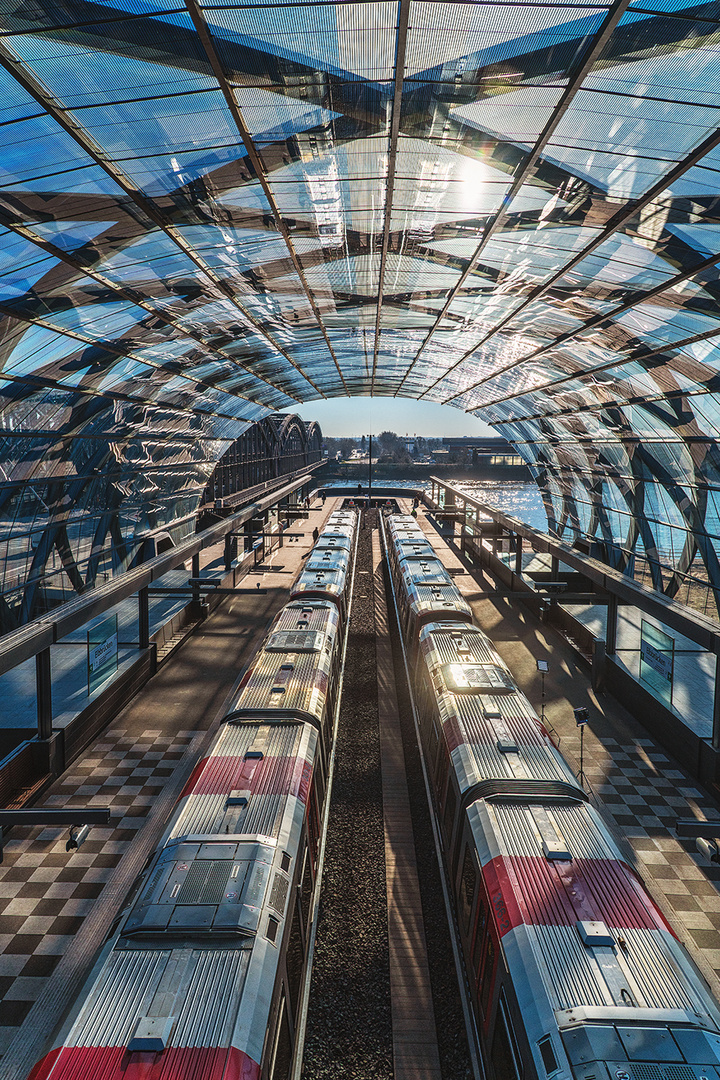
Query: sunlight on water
519,498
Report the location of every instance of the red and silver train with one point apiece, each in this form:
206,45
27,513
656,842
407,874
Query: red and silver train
574,972
203,976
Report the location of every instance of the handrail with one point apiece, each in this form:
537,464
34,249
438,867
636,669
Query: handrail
28,640
694,625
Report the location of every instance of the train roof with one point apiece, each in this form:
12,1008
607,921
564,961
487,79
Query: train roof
342,517
442,598
247,780
333,540
284,677
329,582
424,568
321,615
496,742
405,540
450,643
587,949
397,521
327,558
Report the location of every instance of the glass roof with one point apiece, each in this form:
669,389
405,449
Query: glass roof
212,210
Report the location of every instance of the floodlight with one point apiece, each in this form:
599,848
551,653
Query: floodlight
542,665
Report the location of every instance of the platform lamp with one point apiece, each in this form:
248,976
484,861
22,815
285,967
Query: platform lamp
543,667
581,718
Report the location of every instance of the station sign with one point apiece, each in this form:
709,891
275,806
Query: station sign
657,661
102,651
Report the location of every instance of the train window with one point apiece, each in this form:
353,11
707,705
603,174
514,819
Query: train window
486,975
294,960
272,929
313,825
468,881
282,1057
306,888
450,804
548,1055
285,861
504,1055
480,924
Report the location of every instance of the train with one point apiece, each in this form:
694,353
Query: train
573,972
202,977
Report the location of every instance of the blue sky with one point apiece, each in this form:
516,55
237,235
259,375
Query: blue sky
359,415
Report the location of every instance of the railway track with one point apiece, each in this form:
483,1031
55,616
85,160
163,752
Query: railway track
354,1026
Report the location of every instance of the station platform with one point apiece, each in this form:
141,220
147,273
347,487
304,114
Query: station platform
634,782
50,924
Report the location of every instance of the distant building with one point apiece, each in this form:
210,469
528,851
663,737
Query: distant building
475,450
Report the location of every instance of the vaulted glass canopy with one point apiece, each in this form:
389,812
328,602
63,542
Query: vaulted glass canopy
213,210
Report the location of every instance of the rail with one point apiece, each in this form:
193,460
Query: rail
304,1000
462,978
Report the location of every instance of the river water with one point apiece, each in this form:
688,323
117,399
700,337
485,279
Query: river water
519,498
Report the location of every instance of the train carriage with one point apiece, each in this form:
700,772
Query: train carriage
293,671
331,539
575,971
403,548
423,599
481,737
203,977
328,558
323,583
339,518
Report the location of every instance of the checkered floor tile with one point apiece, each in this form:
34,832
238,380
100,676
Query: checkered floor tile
645,792
45,892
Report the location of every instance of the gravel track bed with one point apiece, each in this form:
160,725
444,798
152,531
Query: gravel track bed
349,1031
449,1020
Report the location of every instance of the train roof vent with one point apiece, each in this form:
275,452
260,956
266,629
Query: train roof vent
238,798
258,754
278,690
594,933
556,850
506,744
151,1034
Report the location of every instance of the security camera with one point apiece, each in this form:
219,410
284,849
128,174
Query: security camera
708,848
78,836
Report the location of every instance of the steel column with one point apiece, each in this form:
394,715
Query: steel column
611,628
196,576
143,618
716,707
43,685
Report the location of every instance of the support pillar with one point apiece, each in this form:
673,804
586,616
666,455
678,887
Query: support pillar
611,631
518,555
195,576
716,707
43,685
598,665
554,567
144,619
228,552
